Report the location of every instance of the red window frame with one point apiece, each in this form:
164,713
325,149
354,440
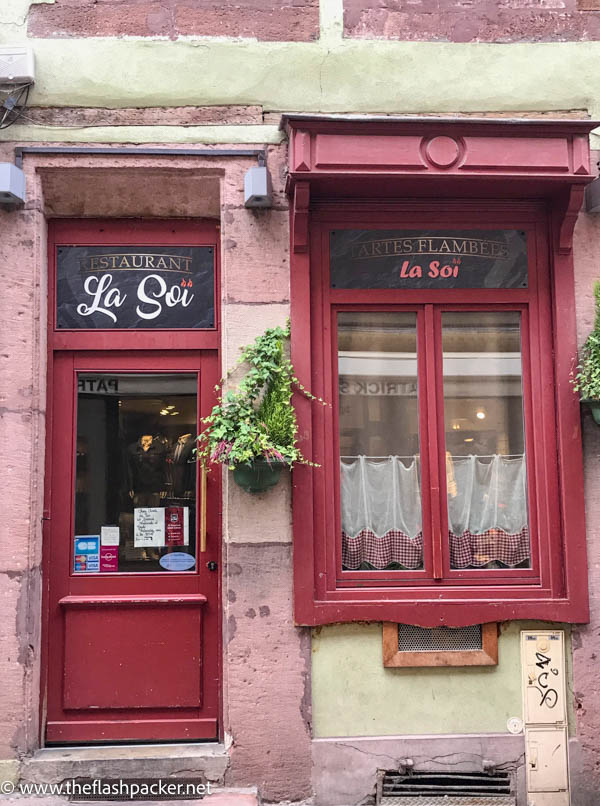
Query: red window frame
556,585
436,569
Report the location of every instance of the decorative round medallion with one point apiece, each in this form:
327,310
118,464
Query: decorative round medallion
442,151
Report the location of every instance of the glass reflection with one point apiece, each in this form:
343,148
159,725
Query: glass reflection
485,443
135,486
379,441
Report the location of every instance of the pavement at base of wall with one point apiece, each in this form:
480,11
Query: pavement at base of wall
223,797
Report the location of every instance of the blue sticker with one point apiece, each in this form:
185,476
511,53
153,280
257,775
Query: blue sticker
177,561
87,553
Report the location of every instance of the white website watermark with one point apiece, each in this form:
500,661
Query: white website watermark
112,789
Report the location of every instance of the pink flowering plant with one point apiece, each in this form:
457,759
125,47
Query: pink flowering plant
257,420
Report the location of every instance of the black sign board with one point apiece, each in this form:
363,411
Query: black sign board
141,287
428,259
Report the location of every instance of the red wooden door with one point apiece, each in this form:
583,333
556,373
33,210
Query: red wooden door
133,617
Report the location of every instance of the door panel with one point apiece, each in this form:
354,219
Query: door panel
132,642
133,638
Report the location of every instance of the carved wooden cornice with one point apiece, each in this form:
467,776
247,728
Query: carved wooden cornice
387,158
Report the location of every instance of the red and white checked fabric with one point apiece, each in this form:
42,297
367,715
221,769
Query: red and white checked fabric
393,547
467,550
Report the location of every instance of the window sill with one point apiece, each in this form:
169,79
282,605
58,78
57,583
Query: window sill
428,612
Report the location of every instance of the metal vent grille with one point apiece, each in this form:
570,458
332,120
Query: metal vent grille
448,788
439,639
444,800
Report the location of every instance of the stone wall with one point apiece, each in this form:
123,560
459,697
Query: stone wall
22,433
585,756
266,709
291,20
473,20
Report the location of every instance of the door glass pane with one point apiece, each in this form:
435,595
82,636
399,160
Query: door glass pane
379,441
135,485
485,440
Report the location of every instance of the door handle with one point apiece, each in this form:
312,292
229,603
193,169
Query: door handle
202,508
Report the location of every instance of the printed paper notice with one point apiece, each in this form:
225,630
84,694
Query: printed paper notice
149,526
109,535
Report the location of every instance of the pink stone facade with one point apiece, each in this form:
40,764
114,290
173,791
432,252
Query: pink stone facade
262,19
267,731
586,639
266,659
479,21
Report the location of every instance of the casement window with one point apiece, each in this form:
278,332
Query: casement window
448,488
438,472
433,476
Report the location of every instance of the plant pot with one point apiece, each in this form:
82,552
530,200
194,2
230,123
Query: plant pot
258,476
594,407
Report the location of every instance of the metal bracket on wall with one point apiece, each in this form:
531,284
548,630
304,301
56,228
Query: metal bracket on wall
123,151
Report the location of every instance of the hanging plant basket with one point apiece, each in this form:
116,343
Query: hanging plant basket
253,429
258,476
594,407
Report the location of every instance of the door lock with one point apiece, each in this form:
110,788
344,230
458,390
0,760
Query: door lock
212,565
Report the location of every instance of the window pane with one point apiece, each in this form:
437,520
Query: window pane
485,442
135,487
379,441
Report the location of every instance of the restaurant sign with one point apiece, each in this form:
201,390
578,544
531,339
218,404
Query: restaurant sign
137,287
428,259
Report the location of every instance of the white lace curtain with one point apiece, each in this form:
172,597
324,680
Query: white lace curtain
384,495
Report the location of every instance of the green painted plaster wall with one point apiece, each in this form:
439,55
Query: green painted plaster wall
332,75
354,695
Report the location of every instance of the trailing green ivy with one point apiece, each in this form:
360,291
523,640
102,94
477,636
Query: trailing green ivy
257,420
587,375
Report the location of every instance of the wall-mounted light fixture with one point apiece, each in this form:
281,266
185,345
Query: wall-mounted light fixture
257,187
12,184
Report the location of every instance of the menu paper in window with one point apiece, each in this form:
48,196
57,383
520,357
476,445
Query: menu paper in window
148,526
109,535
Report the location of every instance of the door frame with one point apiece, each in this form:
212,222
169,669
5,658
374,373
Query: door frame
105,345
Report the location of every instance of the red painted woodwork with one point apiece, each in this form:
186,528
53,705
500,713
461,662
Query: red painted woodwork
465,186
300,219
443,151
518,154
134,232
539,150
382,151
567,213
126,656
133,642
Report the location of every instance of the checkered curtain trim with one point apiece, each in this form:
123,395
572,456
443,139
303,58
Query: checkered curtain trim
494,545
467,550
